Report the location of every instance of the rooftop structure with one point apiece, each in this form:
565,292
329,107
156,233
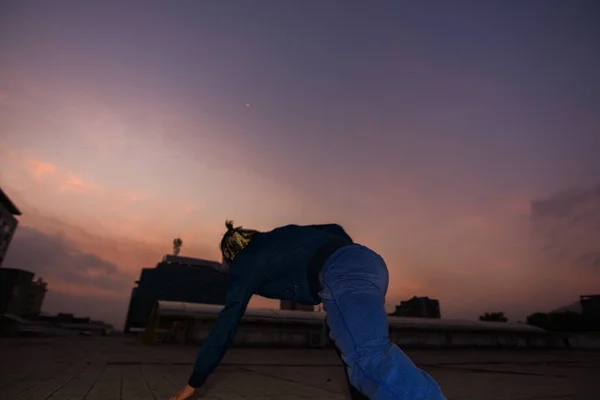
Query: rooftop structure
7,203
210,311
590,305
420,307
20,295
175,278
8,223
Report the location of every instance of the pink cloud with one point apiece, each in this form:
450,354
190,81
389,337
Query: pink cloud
41,169
64,182
129,245
75,185
128,212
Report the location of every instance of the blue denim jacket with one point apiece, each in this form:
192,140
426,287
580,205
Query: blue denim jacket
281,264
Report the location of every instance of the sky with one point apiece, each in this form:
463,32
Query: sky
457,139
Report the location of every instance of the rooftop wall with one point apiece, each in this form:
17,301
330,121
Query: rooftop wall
209,311
191,323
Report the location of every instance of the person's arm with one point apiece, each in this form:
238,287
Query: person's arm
333,229
220,338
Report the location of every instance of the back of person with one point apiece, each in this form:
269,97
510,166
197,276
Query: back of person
286,260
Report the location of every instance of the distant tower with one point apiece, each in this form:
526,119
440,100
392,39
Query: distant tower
177,243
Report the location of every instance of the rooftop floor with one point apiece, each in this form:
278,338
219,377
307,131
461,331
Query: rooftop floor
122,369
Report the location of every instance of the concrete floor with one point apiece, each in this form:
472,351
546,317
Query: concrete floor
123,369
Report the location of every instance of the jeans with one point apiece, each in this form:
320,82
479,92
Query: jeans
354,283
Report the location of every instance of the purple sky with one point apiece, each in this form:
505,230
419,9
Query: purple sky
426,128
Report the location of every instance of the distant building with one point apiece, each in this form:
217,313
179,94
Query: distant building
8,223
292,305
68,318
422,307
67,322
37,294
175,278
590,305
19,293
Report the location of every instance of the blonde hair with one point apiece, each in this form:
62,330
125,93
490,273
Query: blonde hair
235,240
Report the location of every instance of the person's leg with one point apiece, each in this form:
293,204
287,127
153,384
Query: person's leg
355,394
355,281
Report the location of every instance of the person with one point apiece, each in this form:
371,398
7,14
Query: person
316,264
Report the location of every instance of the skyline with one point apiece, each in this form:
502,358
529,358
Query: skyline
457,141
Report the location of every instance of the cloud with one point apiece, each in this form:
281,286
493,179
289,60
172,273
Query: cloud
129,228
75,185
65,182
79,282
128,253
39,169
567,204
124,211
566,226
588,260
56,259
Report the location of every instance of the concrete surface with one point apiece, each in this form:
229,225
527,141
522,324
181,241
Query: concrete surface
121,368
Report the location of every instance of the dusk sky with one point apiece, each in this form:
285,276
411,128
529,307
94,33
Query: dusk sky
459,139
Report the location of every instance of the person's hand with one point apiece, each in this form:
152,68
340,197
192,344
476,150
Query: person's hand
184,393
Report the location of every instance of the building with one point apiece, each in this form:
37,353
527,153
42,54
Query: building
35,299
294,306
422,307
80,325
8,223
590,305
62,324
14,287
19,294
175,278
